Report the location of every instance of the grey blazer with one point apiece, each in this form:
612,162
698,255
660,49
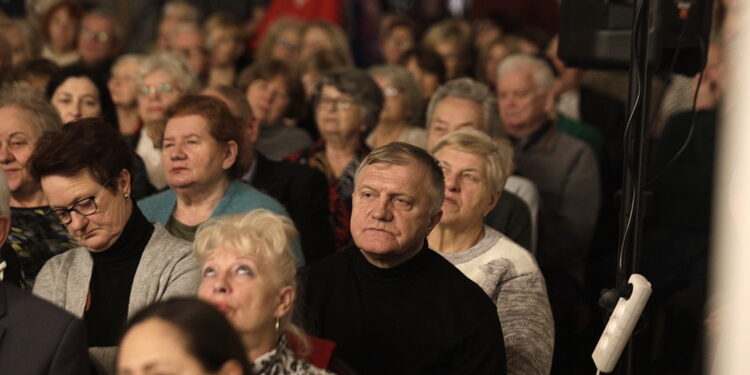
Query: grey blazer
167,269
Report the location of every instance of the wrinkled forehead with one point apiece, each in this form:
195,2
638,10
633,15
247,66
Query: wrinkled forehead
521,78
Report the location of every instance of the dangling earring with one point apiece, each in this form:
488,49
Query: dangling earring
277,325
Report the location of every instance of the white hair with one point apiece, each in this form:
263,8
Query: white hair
469,89
540,70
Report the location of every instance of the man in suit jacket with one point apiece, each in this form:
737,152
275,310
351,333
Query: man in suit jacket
36,337
302,190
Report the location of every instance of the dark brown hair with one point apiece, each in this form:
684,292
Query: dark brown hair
208,336
270,70
222,125
88,143
75,9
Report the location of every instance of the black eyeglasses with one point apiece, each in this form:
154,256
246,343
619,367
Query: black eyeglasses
84,207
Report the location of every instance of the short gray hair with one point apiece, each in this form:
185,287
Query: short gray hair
404,81
357,84
467,88
400,153
496,153
126,58
46,118
175,65
540,70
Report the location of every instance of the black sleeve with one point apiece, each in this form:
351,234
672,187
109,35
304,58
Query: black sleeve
512,218
71,356
311,215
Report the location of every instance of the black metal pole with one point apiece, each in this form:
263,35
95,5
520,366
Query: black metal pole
631,222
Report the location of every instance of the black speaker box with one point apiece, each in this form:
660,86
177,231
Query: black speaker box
596,34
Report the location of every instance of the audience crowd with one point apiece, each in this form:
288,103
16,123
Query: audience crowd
332,187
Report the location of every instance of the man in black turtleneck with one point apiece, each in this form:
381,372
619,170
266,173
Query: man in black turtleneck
392,305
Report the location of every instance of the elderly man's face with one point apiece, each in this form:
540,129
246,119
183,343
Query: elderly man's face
522,104
96,42
451,114
391,213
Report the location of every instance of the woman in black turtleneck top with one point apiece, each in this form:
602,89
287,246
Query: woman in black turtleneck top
124,262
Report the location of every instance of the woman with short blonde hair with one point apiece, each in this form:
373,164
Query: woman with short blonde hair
475,168
249,275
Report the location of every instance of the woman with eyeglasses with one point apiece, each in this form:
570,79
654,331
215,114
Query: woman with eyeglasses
163,78
123,262
347,106
401,108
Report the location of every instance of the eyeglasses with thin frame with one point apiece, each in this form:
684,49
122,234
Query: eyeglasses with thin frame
84,207
339,104
163,88
100,36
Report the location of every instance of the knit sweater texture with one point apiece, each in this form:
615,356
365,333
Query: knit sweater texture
510,276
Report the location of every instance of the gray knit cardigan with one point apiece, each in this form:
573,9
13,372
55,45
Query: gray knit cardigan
167,269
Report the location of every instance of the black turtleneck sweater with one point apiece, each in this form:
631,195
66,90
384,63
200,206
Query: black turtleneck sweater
420,317
111,279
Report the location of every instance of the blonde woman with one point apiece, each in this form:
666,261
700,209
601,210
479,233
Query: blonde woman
475,168
248,273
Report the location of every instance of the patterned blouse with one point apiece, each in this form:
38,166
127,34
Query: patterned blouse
282,361
339,189
35,236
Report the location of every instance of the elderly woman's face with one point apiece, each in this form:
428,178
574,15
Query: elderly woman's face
17,138
77,98
467,199
268,98
237,286
395,109
338,115
103,225
155,346
158,91
191,156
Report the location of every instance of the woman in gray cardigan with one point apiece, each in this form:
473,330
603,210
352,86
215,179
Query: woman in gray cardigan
124,262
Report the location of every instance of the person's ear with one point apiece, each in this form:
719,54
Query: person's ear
286,301
253,129
230,367
434,220
494,198
230,155
550,99
123,182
